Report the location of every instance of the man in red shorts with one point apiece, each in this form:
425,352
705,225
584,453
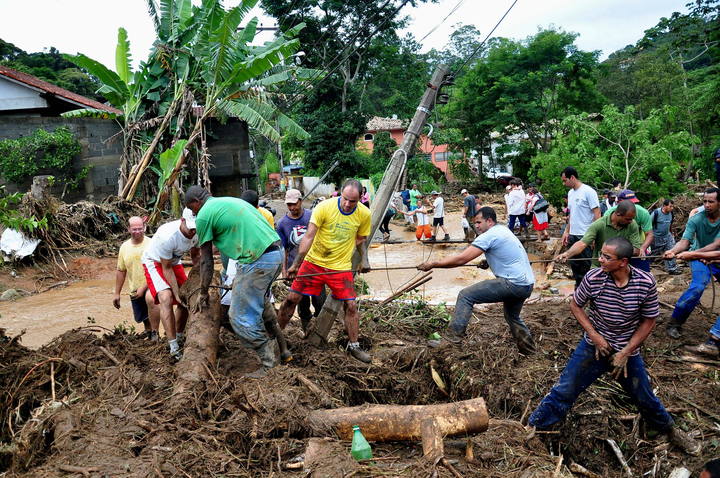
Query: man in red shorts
337,226
165,274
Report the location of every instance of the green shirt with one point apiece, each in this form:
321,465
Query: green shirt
642,217
236,228
413,197
602,230
700,231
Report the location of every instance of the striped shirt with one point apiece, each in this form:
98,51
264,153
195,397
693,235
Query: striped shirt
615,312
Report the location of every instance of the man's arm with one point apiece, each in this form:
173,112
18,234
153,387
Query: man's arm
362,250
620,358
697,255
649,237
713,246
681,246
304,247
167,268
119,281
195,256
576,249
602,347
596,213
470,253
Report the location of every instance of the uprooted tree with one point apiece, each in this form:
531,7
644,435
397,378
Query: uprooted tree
202,65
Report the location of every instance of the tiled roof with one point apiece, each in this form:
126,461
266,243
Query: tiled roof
35,82
378,123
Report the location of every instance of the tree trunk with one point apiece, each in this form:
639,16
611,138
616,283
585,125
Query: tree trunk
403,422
200,351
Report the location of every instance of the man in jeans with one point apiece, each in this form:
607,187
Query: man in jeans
468,215
663,240
703,229
514,281
583,209
622,307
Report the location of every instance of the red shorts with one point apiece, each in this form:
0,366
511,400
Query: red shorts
342,285
156,279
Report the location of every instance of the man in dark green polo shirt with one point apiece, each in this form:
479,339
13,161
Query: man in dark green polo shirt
621,223
644,222
240,232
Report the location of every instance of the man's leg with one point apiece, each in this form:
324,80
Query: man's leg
352,326
167,317
511,222
250,287
690,298
580,372
512,306
668,243
484,292
304,312
287,309
579,268
637,386
154,316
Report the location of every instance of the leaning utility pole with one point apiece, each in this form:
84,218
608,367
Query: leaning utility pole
332,308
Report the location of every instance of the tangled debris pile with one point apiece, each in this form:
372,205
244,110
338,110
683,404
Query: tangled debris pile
95,405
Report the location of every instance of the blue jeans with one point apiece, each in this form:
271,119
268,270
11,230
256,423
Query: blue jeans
701,276
517,217
660,245
490,291
250,287
581,371
579,268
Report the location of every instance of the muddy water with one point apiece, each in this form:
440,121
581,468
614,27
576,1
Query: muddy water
47,315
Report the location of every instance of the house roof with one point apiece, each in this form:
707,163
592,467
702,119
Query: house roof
37,84
378,123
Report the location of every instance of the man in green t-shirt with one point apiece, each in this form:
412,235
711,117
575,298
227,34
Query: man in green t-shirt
240,232
414,193
702,235
644,222
618,224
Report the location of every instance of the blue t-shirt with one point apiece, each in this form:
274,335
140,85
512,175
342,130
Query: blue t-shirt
291,231
661,222
505,255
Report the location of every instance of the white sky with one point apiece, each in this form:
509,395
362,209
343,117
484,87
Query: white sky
90,26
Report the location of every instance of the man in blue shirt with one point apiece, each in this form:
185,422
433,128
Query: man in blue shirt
513,284
291,228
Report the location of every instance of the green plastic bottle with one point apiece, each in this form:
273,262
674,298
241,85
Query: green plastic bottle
360,448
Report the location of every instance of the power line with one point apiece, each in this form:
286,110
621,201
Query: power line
482,43
443,21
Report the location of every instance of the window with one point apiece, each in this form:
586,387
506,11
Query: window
440,157
425,157
368,137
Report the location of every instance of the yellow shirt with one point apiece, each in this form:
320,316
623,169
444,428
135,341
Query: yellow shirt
129,261
335,239
268,216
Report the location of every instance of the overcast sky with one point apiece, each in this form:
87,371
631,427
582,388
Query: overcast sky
90,26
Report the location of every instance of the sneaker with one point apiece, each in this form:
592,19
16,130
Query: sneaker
286,357
673,331
448,338
675,272
447,237
709,348
360,354
176,356
181,341
683,441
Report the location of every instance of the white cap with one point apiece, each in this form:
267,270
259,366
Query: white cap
189,218
463,191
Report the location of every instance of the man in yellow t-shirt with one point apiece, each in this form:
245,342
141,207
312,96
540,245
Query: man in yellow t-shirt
337,226
252,197
129,266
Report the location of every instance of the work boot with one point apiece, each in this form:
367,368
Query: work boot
673,330
526,345
447,237
709,348
154,336
448,338
683,441
176,355
359,353
386,236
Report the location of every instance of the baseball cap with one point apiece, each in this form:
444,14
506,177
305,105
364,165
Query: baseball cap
434,193
463,191
292,196
627,194
189,218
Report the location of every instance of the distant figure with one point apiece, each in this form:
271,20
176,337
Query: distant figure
716,157
537,208
662,219
405,195
335,193
423,222
365,197
393,207
439,216
642,218
616,185
414,193
516,205
608,201
469,212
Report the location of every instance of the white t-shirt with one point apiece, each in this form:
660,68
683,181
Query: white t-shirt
516,202
168,243
581,202
439,205
422,217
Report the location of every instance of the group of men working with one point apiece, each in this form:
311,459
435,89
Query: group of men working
616,303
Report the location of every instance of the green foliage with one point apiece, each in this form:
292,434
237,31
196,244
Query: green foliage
424,173
271,164
646,155
167,161
11,217
42,151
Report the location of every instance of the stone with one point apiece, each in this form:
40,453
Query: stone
10,294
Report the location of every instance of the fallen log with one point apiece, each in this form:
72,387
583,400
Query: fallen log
429,423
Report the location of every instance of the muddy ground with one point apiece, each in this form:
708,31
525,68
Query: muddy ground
98,402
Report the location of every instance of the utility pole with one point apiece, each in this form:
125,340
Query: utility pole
332,308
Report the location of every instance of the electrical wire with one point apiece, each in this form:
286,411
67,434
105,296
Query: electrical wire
482,43
454,9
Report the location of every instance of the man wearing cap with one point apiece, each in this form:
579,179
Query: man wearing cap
439,216
240,232
703,229
620,223
644,222
165,274
469,212
291,228
336,228
583,209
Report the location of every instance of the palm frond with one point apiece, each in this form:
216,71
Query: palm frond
222,41
243,110
152,10
114,89
258,65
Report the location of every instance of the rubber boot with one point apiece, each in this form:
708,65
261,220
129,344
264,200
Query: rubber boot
273,329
